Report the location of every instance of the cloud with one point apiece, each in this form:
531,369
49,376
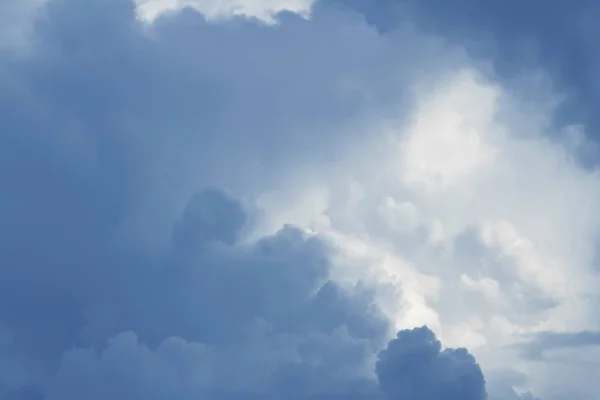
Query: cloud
451,203
261,321
244,315
503,386
263,10
219,206
547,341
413,366
514,36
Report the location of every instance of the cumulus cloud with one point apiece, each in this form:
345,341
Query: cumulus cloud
226,208
263,10
260,321
414,367
247,313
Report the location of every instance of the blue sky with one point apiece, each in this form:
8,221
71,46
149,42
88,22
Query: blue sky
330,199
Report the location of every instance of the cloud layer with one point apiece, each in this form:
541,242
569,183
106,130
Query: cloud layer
273,200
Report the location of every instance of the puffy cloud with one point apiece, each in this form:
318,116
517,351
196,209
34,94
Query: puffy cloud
218,316
414,366
260,321
449,211
319,367
381,182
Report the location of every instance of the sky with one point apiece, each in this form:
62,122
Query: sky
299,199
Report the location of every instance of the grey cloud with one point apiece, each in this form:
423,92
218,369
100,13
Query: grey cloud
233,322
556,35
110,137
148,118
538,344
232,311
414,366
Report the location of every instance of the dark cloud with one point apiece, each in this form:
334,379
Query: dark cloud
208,304
414,366
558,36
231,321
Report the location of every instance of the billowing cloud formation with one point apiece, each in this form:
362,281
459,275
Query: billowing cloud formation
259,321
210,205
414,367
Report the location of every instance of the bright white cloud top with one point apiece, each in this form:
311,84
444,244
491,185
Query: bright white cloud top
263,10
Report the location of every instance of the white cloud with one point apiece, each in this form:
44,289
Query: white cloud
446,139
264,10
485,225
479,225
